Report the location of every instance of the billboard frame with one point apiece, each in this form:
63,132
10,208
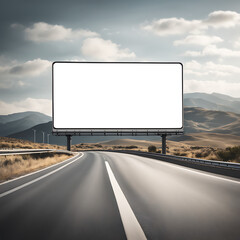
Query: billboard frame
114,131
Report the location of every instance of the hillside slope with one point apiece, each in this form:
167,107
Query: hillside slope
214,101
18,122
197,120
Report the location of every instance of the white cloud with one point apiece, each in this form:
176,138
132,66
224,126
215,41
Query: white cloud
223,19
105,50
201,40
29,104
44,32
213,50
10,74
172,26
237,43
30,68
193,65
177,26
193,54
209,69
223,87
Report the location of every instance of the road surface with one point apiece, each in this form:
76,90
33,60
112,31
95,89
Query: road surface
106,195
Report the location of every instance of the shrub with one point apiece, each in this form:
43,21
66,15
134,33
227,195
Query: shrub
98,145
152,148
131,147
17,159
183,154
230,153
7,162
196,147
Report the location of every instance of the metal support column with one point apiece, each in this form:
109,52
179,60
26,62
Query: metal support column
164,136
34,135
69,139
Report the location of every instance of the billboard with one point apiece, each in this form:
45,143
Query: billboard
117,97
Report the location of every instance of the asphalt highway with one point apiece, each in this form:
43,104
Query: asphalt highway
106,195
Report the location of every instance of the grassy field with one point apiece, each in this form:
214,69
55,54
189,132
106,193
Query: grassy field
12,166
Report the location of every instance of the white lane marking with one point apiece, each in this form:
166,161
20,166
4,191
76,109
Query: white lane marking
131,225
29,174
209,175
201,172
39,178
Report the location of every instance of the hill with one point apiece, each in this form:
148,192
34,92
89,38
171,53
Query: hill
202,120
202,139
18,122
197,120
214,101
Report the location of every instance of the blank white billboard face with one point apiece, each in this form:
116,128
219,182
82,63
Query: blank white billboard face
117,95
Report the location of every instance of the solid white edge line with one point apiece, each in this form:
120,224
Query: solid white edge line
31,173
39,178
131,225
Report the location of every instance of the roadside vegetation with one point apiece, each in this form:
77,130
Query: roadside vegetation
93,146
152,148
12,166
230,154
13,143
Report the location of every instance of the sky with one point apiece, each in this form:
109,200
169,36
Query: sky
203,35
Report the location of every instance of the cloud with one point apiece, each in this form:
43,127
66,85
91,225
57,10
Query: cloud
105,50
172,26
201,40
10,74
28,104
193,54
16,26
237,43
223,87
193,68
44,32
223,19
211,77
179,26
30,68
213,50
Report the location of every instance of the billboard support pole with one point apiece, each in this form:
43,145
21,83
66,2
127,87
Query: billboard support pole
164,136
69,139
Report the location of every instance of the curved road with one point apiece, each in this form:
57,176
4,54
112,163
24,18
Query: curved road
106,195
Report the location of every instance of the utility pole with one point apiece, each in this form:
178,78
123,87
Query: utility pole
43,136
48,137
34,135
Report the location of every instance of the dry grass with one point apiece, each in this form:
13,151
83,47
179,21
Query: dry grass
173,148
16,165
230,154
13,143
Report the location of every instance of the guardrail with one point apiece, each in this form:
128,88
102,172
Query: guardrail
208,162
196,160
24,151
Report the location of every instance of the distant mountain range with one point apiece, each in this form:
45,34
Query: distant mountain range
203,120
17,122
196,120
214,101
212,113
